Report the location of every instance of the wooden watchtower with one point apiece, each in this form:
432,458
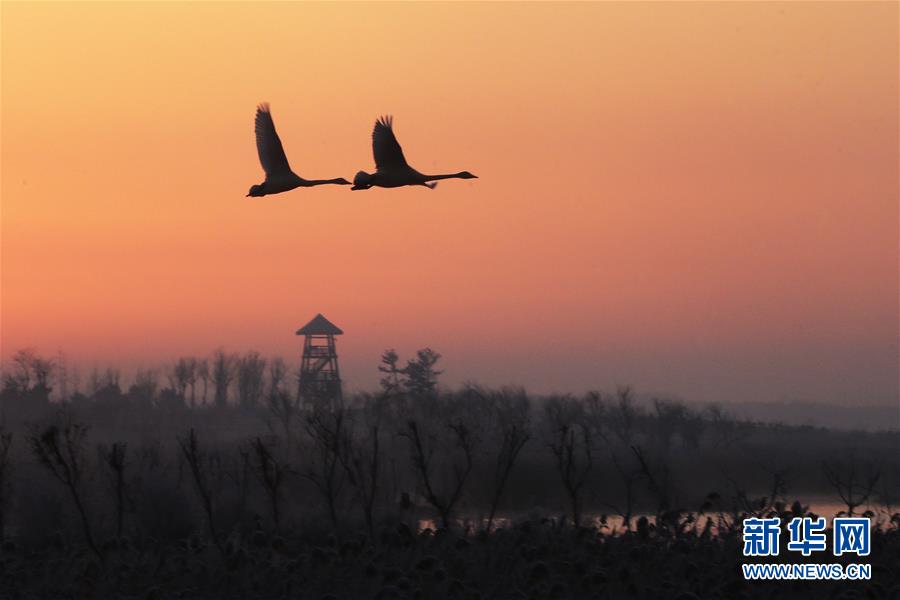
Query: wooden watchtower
320,379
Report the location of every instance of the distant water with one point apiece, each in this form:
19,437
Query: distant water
615,523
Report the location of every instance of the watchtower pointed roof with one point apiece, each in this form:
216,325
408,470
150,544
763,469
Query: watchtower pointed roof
320,326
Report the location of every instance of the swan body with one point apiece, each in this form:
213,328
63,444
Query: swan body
279,176
392,170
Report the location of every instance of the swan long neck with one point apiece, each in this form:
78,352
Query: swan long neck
311,182
446,176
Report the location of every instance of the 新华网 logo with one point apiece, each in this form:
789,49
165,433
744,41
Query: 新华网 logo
807,535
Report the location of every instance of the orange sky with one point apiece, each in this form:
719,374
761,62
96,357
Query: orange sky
697,198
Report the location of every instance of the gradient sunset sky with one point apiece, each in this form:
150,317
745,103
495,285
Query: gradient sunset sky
698,199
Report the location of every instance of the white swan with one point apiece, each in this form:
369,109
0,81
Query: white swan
392,169
279,176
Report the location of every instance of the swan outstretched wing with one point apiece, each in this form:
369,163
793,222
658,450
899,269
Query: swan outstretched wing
271,153
387,151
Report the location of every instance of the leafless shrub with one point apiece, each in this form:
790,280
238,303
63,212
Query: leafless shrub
443,427
271,475
657,475
204,469
569,439
629,477
742,504
61,451
853,479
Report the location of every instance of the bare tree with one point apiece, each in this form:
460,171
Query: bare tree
624,416
629,477
853,479
183,375
203,374
20,377
271,474
743,504
205,469
222,376
61,452
596,414
238,468
61,371
511,430
669,417
95,382
113,459
658,477
325,426
619,416
251,369
569,439
191,369
444,430
281,405
277,374
43,369
31,374
778,489
361,456
31,370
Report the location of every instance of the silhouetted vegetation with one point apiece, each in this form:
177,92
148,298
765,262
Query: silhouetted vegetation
411,491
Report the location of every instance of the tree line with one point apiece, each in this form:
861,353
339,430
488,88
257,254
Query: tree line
407,450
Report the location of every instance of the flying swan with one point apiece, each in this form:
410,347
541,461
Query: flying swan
279,176
392,169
